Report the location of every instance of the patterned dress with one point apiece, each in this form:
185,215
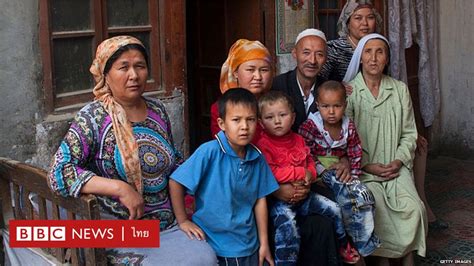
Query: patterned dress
89,148
339,56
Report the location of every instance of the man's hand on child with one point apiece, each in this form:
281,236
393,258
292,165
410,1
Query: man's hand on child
343,170
264,254
192,230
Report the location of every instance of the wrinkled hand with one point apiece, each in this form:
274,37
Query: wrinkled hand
343,170
264,254
387,171
348,88
392,169
132,200
421,145
192,230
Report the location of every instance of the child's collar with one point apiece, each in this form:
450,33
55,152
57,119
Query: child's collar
252,151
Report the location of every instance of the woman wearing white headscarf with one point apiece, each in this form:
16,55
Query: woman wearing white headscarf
382,111
359,18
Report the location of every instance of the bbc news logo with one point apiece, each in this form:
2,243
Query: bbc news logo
41,233
85,233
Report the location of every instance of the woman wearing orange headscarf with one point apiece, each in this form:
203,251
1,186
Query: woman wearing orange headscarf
120,148
249,66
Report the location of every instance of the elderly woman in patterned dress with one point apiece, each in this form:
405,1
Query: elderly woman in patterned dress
120,148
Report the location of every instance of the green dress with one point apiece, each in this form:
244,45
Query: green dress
386,126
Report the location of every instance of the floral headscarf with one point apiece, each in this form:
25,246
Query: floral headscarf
241,51
126,142
349,8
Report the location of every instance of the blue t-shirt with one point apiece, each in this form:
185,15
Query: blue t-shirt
226,189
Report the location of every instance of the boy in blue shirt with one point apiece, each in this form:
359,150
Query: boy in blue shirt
229,178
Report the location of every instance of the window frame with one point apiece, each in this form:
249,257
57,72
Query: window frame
99,31
325,12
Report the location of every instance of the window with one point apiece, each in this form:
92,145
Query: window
328,13
70,31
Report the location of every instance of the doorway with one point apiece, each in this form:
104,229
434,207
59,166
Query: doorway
212,27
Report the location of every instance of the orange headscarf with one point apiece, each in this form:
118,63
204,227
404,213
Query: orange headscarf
241,51
123,131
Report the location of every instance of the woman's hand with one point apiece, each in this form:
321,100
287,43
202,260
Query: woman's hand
264,254
128,196
392,169
132,200
374,168
192,230
387,171
348,88
343,170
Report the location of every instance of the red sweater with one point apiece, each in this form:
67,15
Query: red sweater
287,156
215,127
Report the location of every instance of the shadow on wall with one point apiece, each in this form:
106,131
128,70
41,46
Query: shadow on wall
455,146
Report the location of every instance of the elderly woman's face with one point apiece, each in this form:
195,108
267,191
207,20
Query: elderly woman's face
255,76
374,57
361,23
127,76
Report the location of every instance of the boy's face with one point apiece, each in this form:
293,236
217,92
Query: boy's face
331,105
277,118
239,124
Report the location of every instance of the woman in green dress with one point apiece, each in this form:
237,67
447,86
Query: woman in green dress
382,111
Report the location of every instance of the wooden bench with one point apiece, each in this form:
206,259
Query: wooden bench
17,180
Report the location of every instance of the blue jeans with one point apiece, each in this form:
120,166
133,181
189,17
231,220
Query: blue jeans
358,207
287,237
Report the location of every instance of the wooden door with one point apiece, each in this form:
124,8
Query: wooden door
412,56
212,27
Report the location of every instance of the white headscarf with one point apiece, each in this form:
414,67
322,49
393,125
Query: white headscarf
353,67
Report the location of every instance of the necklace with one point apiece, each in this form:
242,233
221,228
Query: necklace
352,42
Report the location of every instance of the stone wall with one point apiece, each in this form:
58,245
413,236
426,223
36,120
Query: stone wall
26,133
454,131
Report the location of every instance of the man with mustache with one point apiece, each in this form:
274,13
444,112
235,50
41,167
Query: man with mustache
317,232
310,52
301,83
